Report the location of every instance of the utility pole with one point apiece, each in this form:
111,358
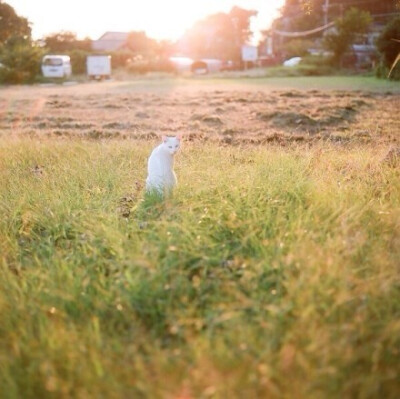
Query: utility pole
325,9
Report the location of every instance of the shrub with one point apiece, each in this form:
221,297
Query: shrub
78,61
297,48
316,60
142,66
20,60
354,22
382,71
389,49
119,59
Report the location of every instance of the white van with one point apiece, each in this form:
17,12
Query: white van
56,66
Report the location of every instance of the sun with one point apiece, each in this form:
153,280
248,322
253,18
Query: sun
173,18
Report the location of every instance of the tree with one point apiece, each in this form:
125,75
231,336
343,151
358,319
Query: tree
354,22
165,49
212,37
297,48
20,59
62,42
241,22
336,8
11,24
387,46
302,15
140,44
220,35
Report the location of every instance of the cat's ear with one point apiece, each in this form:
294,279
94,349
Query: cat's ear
179,136
164,139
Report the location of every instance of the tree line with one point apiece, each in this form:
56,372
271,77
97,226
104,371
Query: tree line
351,20
219,35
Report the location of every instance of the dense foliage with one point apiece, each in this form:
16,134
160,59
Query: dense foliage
20,61
66,41
19,58
352,23
304,15
220,35
307,14
11,24
389,46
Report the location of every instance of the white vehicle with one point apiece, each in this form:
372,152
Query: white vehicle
56,66
206,65
181,64
291,62
98,66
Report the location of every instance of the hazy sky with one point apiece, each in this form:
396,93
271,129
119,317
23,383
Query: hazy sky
161,19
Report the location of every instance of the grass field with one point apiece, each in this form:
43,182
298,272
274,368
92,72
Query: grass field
273,272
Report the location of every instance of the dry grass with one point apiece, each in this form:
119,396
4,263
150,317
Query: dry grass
233,114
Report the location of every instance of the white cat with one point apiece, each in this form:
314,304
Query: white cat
161,176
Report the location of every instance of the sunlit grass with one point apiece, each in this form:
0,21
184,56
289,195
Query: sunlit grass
279,78
272,272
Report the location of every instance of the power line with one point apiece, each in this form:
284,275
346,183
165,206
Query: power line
315,30
303,33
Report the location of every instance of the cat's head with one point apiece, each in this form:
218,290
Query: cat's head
171,144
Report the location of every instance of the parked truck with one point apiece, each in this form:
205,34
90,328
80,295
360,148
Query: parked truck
98,66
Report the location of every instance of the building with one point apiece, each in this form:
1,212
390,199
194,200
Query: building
111,41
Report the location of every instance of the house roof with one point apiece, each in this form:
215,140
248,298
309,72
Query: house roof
121,36
110,41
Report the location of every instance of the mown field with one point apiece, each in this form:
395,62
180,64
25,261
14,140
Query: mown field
273,271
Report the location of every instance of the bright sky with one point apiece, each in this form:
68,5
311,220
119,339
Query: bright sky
160,19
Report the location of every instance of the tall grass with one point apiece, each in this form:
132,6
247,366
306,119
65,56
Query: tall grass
272,272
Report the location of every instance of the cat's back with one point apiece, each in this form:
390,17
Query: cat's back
154,153
153,162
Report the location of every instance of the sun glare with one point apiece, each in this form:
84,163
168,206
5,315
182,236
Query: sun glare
158,18
169,20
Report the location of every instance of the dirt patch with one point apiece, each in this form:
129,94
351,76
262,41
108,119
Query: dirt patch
292,94
59,104
142,115
207,119
120,125
288,119
392,157
312,121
